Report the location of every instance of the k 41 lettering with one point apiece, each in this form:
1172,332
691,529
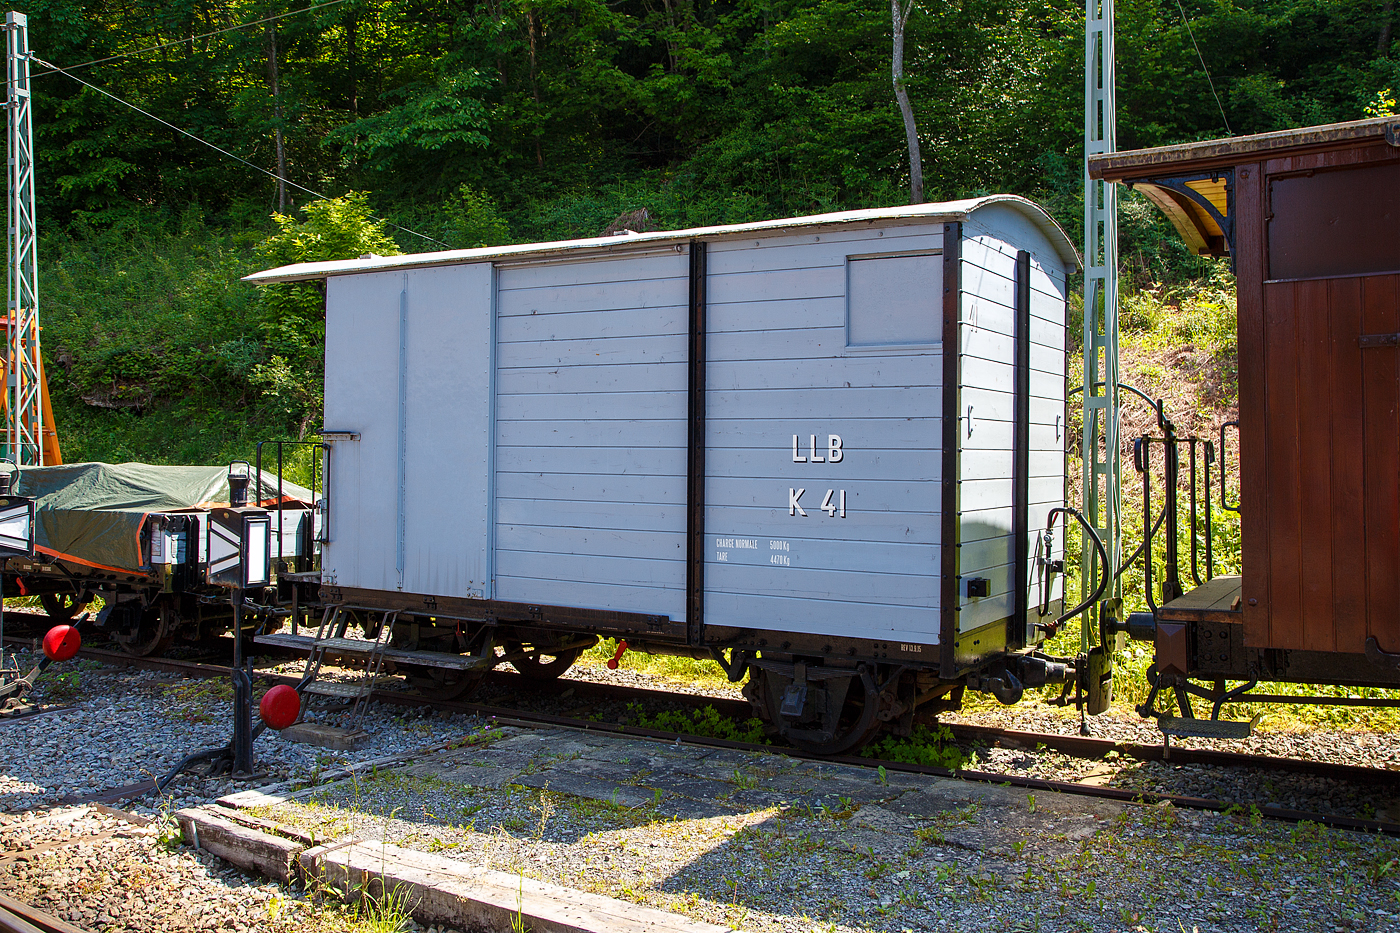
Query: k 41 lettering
833,507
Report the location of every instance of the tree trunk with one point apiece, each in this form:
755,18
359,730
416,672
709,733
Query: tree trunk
353,62
671,55
1383,42
277,118
535,87
899,16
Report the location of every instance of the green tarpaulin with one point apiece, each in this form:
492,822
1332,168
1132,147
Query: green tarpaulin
91,513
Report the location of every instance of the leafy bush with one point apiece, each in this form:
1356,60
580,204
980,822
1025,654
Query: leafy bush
475,219
924,746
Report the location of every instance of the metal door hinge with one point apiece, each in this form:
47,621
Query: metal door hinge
1371,341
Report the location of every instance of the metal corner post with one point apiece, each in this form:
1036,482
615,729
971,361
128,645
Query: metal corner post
24,422
948,522
695,494
1100,445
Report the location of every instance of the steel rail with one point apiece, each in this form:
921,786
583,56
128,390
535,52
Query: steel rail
1076,745
19,917
11,922
1079,746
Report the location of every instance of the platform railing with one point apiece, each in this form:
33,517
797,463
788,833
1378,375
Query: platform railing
1201,457
316,534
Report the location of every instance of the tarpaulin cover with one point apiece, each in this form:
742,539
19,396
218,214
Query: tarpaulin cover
91,513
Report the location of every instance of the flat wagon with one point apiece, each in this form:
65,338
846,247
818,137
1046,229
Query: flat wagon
160,545
819,449
1310,218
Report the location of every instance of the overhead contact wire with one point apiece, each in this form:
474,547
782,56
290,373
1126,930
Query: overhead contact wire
219,149
1187,23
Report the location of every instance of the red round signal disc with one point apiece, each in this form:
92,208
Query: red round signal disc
616,659
280,707
62,642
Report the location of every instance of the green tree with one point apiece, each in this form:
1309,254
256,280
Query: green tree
293,321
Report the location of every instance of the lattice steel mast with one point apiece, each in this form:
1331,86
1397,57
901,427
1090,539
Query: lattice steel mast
24,413
1101,452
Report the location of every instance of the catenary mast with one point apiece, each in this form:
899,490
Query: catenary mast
24,412
1101,458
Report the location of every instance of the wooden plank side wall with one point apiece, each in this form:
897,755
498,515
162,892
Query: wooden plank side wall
778,366
1347,508
1317,396
447,481
554,393
1252,456
1320,442
1282,449
987,333
1330,497
590,433
1380,378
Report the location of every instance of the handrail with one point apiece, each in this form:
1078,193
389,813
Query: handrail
1224,504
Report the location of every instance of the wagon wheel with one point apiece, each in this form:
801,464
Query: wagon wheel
439,683
856,725
542,662
62,607
152,636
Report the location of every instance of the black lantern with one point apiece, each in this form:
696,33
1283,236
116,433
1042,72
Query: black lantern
239,476
16,516
239,538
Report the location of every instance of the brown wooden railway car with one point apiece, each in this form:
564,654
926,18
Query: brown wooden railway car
1311,220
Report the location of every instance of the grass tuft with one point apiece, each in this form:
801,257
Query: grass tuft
706,721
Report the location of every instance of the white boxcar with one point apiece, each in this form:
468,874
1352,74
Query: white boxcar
830,439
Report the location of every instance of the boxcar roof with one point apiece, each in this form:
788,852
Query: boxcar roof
947,211
1190,182
1218,153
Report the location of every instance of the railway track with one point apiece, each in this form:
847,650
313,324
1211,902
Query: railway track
1076,746
19,917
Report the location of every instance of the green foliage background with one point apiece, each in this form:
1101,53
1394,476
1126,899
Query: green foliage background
481,123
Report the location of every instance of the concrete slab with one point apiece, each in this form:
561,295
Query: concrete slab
472,766
940,795
433,889
440,890
251,849
583,785
683,808
696,788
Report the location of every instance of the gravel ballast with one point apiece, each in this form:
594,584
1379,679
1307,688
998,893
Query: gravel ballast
798,865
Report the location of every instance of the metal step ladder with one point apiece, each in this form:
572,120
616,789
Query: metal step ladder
364,656
1190,727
